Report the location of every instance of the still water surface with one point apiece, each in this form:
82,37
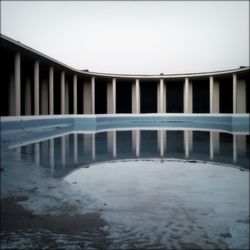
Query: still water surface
154,189
67,152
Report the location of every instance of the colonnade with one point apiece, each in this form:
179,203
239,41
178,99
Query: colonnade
48,97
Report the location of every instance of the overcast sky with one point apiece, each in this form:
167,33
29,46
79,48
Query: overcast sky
134,37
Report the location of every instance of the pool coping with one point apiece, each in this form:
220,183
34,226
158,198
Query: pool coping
227,122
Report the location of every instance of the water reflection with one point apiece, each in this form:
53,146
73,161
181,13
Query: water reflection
64,153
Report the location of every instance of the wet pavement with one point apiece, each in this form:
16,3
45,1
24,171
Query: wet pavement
118,202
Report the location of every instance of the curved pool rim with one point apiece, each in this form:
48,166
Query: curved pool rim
226,122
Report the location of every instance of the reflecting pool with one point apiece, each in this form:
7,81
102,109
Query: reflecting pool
127,189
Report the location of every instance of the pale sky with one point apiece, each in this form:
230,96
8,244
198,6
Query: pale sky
134,37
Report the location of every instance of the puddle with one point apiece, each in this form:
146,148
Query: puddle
169,204
139,189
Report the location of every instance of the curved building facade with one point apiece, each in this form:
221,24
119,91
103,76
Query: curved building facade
35,84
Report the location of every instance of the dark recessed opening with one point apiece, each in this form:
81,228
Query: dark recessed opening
101,97
124,97
148,97
201,96
80,97
57,93
71,104
226,95
174,97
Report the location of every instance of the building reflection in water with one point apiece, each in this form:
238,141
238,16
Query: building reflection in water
62,154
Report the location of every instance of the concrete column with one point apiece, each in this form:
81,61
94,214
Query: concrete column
185,96
188,142
44,98
112,142
17,75
136,97
75,94
188,96
36,88
164,98
62,92
188,107
133,98
234,93
111,97
89,97
51,90
66,97
75,149
214,95
12,95
114,95
214,144
211,94
28,96
93,95
241,96
160,97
